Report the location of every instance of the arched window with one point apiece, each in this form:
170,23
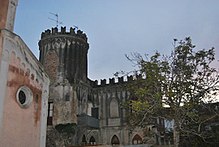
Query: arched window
114,108
84,141
89,108
50,113
92,141
137,139
115,140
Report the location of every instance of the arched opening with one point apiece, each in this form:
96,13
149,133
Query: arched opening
115,140
137,139
84,141
92,141
89,108
114,108
50,113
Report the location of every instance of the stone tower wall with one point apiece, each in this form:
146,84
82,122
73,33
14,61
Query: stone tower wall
112,116
64,54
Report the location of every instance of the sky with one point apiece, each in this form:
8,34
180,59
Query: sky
118,27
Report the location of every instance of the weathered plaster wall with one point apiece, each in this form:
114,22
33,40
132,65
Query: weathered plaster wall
3,13
3,19
7,16
4,64
64,103
11,15
22,126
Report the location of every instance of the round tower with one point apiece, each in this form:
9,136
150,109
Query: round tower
64,54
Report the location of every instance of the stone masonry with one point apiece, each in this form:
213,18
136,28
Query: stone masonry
94,110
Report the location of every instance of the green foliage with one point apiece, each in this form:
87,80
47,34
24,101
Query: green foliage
139,106
183,81
68,128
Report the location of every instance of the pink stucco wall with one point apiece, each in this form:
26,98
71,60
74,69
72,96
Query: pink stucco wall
21,126
3,18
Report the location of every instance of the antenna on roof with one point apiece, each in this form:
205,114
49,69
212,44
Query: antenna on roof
56,18
76,27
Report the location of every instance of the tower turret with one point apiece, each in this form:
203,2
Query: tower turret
64,54
64,57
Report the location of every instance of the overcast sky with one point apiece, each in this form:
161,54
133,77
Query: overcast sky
118,27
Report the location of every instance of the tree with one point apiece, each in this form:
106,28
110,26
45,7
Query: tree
183,82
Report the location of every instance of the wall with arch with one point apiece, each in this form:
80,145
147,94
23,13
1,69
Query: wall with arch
24,95
89,137
137,139
114,108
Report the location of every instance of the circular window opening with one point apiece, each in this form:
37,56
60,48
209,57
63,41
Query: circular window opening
24,96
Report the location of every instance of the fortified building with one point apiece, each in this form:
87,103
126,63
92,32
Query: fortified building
92,110
51,101
24,87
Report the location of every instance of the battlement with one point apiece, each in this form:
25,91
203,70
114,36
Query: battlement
116,81
72,32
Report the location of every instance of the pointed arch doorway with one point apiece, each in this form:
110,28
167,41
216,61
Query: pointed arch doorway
115,140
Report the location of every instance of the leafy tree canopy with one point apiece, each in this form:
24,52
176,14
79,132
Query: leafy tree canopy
178,86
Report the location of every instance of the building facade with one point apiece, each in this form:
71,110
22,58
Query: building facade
65,107
93,109
24,87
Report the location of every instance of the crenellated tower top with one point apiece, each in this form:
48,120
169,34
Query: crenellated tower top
118,81
64,54
54,32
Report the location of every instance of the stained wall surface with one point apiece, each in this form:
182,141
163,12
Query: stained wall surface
24,124
7,16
